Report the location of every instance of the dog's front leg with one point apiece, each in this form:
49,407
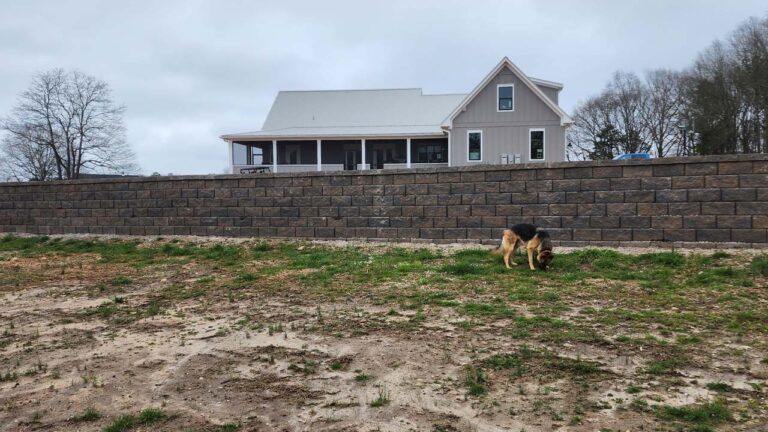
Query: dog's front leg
530,259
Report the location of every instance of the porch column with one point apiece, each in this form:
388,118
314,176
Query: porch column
408,153
231,157
448,148
274,156
319,155
365,165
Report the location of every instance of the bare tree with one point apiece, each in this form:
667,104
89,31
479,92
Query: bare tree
590,119
749,46
71,114
611,123
661,113
628,98
25,158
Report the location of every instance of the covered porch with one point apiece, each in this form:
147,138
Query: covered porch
301,155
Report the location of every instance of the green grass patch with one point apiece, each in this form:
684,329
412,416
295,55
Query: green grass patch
665,366
496,310
228,427
462,269
475,381
382,399
719,387
362,377
89,415
121,281
127,422
525,361
709,414
759,265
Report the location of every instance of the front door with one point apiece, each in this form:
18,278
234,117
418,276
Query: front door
350,160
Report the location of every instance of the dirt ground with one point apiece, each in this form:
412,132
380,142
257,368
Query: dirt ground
277,360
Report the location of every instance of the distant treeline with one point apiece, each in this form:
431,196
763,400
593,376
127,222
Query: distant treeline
718,105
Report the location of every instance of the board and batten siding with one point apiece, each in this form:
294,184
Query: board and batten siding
552,94
507,132
499,140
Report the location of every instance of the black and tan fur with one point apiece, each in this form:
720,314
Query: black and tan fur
534,239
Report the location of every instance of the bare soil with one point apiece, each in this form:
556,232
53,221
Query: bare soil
275,360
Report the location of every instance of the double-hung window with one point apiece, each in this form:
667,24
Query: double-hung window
536,142
474,146
505,97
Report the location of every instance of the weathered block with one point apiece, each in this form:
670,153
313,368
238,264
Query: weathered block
701,168
587,234
713,235
718,208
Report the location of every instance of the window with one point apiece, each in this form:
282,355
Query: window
475,146
506,97
239,154
537,144
433,153
429,150
252,153
257,155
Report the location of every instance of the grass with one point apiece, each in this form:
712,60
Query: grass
475,381
664,366
8,376
705,415
89,415
382,399
719,387
127,422
759,265
362,377
524,362
459,281
120,281
228,427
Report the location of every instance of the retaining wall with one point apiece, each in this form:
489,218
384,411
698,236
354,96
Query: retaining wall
673,201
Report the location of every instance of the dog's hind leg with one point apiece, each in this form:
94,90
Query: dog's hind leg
509,253
509,245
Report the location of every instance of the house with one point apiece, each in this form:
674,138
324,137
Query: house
508,118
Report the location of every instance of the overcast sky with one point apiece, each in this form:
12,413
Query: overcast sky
189,71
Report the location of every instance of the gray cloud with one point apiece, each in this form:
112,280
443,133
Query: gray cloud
189,71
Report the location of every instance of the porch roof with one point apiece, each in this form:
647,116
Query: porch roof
342,132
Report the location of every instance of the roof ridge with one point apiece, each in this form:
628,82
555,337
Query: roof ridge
347,127
349,90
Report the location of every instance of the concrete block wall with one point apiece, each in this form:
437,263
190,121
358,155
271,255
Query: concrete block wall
673,201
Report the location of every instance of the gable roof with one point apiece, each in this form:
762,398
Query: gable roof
531,83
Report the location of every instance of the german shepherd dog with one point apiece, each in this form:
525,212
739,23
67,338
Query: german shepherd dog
534,239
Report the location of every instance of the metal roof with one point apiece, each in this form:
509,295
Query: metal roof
356,112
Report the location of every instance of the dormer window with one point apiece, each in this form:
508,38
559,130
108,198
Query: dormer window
506,97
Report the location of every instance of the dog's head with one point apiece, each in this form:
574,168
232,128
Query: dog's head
545,258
